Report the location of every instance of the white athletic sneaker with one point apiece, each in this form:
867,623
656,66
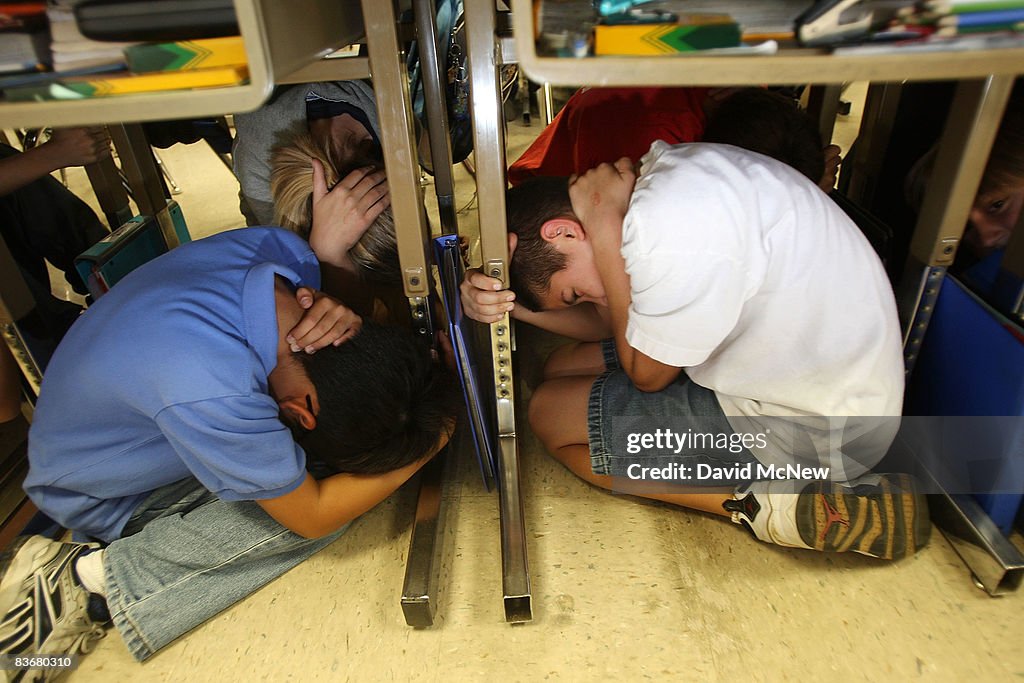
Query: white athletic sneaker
44,606
878,515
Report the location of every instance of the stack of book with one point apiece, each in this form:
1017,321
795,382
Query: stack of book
151,67
72,51
961,17
642,27
24,41
945,25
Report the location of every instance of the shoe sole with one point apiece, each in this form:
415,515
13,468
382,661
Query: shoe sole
18,562
890,522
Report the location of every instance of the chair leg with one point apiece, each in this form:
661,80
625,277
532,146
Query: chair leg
547,103
167,173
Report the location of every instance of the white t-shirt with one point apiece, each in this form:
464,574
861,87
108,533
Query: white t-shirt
747,275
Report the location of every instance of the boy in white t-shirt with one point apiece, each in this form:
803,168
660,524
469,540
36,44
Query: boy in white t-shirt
755,334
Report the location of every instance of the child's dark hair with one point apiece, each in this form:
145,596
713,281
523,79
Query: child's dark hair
768,123
527,207
384,401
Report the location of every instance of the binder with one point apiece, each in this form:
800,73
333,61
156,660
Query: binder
481,422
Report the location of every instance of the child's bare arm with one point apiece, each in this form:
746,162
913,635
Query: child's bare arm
585,321
67,147
484,301
321,507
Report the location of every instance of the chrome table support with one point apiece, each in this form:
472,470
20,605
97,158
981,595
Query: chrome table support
489,146
394,112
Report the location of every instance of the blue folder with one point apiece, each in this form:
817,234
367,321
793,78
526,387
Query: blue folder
481,422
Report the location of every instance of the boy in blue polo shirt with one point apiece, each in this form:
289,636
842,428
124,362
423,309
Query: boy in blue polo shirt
169,427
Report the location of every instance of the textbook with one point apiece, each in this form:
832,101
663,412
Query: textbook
20,52
186,55
971,6
690,33
24,41
71,50
997,18
81,88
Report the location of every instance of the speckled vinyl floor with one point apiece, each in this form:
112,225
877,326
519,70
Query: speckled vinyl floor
622,590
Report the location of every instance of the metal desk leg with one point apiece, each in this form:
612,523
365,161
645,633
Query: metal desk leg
546,97
434,102
995,563
823,106
110,192
872,141
489,146
427,547
963,152
394,111
16,301
144,177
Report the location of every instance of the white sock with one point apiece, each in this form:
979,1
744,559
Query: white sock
90,572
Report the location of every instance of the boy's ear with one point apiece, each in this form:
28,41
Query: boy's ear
513,240
298,411
561,227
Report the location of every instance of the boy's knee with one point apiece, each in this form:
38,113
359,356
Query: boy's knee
556,363
545,413
538,410
544,423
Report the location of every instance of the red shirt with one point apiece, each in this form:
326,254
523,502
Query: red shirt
605,124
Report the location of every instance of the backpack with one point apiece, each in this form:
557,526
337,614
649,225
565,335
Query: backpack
453,55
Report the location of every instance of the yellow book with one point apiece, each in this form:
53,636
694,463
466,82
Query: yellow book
81,88
695,32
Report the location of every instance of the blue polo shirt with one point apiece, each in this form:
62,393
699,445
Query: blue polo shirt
165,378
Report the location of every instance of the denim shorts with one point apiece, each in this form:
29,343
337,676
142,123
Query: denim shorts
683,403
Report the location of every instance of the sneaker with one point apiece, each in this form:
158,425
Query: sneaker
44,606
878,515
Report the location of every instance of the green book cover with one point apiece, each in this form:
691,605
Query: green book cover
185,55
696,33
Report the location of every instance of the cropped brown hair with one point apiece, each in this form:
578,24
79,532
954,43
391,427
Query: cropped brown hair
528,206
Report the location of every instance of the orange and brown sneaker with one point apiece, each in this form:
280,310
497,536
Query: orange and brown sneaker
878,515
